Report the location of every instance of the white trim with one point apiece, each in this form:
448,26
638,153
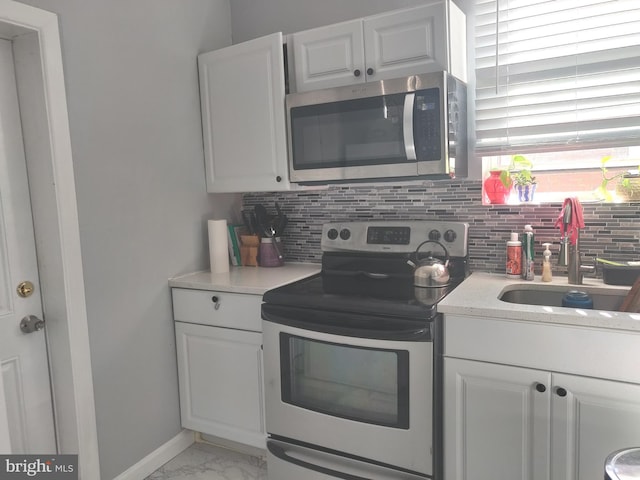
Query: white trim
38,56
158,457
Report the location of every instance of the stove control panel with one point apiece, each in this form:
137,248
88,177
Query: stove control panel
395,237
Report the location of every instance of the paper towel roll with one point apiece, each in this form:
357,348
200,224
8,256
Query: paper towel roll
218,246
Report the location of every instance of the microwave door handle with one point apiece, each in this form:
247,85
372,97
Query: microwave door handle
407,126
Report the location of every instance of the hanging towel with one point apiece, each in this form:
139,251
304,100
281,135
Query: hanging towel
575,223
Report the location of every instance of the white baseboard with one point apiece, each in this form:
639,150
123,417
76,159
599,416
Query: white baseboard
158,457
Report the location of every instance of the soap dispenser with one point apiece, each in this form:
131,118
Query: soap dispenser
546,263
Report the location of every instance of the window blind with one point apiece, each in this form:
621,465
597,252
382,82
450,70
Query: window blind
557,75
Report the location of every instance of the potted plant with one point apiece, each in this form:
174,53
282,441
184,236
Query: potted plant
523,180
628,188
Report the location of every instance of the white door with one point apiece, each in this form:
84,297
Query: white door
407,42
496,421
330,56
26,418
592,418
243,116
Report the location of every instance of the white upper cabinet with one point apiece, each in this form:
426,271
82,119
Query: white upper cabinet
405,42
329,56
242,90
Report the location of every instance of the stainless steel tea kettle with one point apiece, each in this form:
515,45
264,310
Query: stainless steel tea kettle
431,272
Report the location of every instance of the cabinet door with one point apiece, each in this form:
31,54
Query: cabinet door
243,116
407,42
329,56
593,419
496,422
220,381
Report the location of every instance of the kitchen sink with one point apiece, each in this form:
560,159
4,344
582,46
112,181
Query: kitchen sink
551,295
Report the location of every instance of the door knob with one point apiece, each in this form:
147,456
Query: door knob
25,289
31,323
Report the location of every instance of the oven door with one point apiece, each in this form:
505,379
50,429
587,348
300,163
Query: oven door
357,384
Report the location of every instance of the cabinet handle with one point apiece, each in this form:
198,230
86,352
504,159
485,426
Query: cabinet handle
356,73
541,388
369,71
561,392
216,301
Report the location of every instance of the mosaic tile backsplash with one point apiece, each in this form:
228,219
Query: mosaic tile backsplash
612,231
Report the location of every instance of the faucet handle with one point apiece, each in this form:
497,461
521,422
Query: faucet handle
563,255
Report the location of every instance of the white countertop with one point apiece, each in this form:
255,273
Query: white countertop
253,280
478,296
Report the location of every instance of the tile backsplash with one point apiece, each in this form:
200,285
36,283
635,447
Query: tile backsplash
612,231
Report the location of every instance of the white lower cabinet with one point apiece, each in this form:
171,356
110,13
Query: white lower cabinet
220,370
507,422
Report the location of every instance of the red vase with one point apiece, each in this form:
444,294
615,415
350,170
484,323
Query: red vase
494,190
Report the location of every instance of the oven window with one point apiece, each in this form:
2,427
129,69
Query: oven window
363,384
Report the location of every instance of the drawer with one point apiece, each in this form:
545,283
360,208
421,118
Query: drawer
592,352
235,310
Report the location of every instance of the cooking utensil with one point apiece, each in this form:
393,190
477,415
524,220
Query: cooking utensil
262,221
631,302
248,223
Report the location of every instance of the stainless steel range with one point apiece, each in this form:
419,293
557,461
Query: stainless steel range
351,355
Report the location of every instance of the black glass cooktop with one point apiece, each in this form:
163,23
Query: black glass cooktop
322,292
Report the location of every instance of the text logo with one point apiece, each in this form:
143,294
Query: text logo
49,467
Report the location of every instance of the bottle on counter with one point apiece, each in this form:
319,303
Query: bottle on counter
547,276
514,257
528,265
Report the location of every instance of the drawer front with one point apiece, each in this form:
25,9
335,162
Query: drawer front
584,351
235,310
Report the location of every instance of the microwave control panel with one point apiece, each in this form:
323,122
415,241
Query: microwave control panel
427,125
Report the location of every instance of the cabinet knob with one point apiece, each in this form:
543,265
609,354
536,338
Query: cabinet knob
541,388
369,71
561,392
356,73
278,179
216,302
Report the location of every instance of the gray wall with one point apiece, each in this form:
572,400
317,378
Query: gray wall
134,114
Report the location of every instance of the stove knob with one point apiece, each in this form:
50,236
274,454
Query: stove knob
450,236
434,235
332,234
345,234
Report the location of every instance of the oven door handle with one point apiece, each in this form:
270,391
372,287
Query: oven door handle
281,453
348,324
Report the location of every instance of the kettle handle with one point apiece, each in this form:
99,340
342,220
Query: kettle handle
446,252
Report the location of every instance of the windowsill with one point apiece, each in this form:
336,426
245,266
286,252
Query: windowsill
541,198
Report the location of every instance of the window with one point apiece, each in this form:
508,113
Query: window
558,81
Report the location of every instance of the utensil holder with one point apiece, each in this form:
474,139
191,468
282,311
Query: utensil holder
268,253
249,250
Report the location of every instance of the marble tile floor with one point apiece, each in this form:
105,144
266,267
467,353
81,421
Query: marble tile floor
202,461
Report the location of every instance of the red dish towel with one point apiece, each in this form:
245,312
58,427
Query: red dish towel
577,219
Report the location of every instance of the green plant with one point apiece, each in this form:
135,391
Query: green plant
520,170
601,192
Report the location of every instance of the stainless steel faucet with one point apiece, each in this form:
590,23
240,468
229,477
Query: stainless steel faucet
570,253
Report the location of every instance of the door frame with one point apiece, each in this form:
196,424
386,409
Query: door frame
43,105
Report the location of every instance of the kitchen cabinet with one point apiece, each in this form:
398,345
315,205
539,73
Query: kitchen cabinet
532,408
404,42
242,90
219,354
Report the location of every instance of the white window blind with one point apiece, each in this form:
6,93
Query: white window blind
557,75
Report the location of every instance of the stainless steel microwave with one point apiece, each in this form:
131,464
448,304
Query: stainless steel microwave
411,127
